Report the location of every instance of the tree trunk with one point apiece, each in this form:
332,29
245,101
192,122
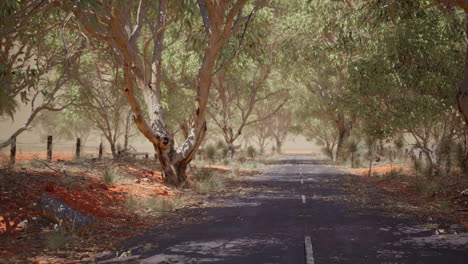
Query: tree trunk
463,97
343,134
113,149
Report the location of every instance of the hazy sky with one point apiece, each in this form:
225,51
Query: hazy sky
34,138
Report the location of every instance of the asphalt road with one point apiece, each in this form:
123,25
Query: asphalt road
293,203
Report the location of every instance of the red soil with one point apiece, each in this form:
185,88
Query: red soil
82,190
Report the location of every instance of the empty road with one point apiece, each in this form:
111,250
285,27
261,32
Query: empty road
296,213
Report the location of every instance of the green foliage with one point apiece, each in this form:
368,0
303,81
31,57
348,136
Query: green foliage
242,159
206,181
394,173
210,152
210,184
251,152
111,175
132,203
161,206
426,187
57,240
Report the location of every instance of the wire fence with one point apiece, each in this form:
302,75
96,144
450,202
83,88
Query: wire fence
54,150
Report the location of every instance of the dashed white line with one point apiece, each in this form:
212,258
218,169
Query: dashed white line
303,199
308,250
302,181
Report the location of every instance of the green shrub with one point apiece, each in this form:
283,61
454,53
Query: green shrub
445,207
111,176
220,144
202,173
210,151
251,152
205,181
426,187
242,159
132,203
223,151
161,206
394,173
57,240
209,185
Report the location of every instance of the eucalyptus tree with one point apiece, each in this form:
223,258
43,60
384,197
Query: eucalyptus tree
134,31
37,55
321,45
98,97
236,99
407,80
261,131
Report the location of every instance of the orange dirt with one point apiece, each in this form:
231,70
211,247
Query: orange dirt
84,191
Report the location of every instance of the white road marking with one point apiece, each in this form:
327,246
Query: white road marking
303,199
302,181
308,250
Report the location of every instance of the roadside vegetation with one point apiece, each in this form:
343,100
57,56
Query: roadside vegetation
214,89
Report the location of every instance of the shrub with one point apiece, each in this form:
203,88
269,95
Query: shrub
209,185
210,151
223,151
426,187
202,173
132,203
161,206
251,152
57,240
220,144
242,159
394,173
206,181
110,175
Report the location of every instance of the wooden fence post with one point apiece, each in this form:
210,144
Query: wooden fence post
49,148
78,147
13,151
100,151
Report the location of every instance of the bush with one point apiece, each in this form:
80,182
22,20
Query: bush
209,185
57,240
426,187
202,173
132,203
110,176
242,159
220,144
223,151
36,164
394,173
251,152
161,206
210,151
206,181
